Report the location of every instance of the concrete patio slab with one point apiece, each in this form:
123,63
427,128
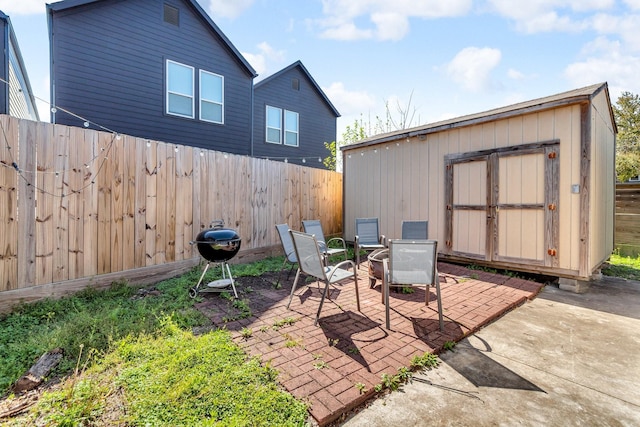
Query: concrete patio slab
336,365
562,359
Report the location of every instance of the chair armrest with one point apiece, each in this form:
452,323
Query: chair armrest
383,240
340,240
357,241
348,263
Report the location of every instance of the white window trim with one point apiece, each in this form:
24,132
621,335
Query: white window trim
285,130
168,92
210,100
267,127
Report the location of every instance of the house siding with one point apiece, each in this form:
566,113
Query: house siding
4,67
108,66
317,121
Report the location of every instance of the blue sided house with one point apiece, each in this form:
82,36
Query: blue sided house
163,70
16,96
293,118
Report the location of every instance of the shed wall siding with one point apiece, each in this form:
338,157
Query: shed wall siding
602,182
404,179
109,67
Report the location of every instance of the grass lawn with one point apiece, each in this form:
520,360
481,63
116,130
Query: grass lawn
130,358
625,267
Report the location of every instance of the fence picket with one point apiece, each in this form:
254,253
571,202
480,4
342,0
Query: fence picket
131,204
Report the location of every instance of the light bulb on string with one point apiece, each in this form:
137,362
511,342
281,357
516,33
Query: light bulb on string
54,110
86,124
304,160
286,160
148,143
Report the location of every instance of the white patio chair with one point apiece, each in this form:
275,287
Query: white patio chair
411,263
313,226
287,247
368,237
311,263
415,229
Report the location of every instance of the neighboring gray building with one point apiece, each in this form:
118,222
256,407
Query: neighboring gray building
293,117
16,97
163,70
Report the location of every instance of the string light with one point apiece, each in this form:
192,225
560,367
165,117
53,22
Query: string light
103,152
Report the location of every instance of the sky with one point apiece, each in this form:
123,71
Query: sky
425,60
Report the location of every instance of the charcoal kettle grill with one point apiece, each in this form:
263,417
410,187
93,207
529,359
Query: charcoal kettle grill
217,245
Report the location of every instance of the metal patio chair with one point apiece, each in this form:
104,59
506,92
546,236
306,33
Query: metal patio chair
312,263
415,229
411,263
287,247
368,237
313,226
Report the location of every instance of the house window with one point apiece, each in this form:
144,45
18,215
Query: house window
211,97
274,125
180,90
290,128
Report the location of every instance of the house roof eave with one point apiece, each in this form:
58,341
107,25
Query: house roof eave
68,4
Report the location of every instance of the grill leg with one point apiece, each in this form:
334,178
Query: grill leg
230,278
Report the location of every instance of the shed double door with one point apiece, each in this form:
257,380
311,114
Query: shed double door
503,205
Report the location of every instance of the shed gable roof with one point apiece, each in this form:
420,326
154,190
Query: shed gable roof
68,4
298,64
565,98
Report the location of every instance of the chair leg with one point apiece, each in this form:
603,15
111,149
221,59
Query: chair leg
355,277
439,297
280,275
324,293
385,295
293,288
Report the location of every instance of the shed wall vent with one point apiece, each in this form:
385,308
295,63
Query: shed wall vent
171,15
295,84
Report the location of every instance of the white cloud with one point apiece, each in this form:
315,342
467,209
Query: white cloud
349,102
22,7
346,31
228,8
633,4
472,66
389,19
608,62
626,27
266,54
533,16
515,74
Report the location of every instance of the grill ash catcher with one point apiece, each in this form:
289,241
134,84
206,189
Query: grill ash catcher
217,245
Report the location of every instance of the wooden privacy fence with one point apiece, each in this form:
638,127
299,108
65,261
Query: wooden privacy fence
627,233
80,207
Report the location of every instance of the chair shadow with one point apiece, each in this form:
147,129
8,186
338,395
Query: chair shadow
482,371
346,330
314,290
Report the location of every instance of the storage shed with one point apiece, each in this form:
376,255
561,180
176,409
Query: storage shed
527,187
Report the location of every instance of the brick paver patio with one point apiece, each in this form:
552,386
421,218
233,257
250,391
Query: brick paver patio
335,366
